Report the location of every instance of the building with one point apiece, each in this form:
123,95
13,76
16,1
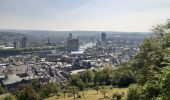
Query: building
16,44
103,37
49,42
72,43
54,57
70,35
24,42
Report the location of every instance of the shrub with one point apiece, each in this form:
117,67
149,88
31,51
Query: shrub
78,95
117,96
135,92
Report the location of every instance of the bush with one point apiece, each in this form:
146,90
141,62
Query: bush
2,90
48,89
135,92
117,96
78,95
166,87
27,94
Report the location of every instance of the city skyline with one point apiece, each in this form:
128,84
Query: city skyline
83,15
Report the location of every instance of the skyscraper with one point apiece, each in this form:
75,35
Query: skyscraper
24,42
70,35
16,44
72,43
103,36
48,42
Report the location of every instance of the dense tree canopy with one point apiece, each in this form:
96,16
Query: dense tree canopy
151,65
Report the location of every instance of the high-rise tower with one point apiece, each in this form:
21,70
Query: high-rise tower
72,43
24,42
103,36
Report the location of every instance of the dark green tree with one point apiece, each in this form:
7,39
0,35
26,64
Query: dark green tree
27,94
2,90
149,64
75,80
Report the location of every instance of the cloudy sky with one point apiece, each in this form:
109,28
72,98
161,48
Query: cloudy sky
87,15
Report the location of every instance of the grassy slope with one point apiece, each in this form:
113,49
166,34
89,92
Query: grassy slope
92,95
3,95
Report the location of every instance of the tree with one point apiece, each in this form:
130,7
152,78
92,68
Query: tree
126,77
75,80
165,84
135,92
89,74
65,90
149,64
74,91
56,88
45,91
97,87
27,94
104,90
99,77
162,29
2,90
35,84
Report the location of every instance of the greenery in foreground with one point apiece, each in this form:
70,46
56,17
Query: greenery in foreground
151,67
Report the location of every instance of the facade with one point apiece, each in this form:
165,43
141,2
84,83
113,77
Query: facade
72,43
103,36
16,44
24,42
49,42
53,57
70,35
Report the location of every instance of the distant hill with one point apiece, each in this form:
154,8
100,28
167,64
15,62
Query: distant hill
63,34
10,34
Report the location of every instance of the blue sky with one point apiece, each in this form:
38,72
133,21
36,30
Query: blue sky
90,15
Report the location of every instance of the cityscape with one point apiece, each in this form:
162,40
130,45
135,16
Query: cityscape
73,58
55,65
84,50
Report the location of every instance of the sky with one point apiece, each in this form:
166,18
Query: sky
83,15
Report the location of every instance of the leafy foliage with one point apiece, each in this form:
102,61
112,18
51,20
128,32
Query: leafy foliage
27,94
121,77
151,66
2,90
48,89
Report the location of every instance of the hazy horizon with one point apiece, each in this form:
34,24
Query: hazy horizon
83,15
18,30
